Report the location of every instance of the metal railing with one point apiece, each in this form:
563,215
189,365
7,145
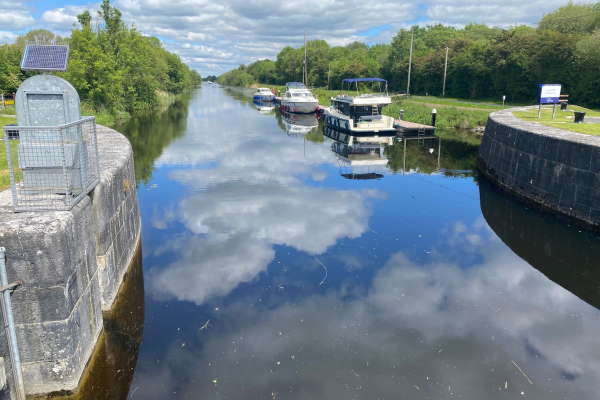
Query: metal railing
51,167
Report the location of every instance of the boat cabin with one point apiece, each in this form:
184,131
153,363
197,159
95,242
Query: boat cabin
362,107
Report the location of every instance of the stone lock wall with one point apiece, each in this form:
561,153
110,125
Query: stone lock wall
556,169
72,264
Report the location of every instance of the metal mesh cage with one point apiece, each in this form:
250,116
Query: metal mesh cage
53,167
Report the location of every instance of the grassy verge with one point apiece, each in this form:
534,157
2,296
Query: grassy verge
4,176
8,110
563,119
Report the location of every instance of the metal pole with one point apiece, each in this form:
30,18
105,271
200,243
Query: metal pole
412,37
9,328
305,75
445,71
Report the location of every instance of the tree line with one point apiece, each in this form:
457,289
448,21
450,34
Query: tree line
483,62
112,66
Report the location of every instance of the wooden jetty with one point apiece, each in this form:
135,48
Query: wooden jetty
407,128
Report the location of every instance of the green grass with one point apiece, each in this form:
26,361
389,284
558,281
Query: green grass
563,119
453,102
4,176
8,110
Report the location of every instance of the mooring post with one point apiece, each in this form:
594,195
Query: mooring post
433,117
18,392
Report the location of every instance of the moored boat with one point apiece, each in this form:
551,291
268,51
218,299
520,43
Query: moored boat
263,94
361,114
298,99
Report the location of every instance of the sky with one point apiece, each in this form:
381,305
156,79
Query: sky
216,36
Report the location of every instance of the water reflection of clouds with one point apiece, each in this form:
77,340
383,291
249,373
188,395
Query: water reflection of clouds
250,195
431,330
235,226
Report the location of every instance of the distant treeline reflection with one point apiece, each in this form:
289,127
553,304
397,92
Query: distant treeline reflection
149,135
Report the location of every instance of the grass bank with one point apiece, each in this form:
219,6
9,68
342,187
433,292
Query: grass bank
4,176
563,119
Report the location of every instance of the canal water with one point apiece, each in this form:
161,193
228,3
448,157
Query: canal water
278,266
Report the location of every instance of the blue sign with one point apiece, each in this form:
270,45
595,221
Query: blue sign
550,93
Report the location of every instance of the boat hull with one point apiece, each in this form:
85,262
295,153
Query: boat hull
297,107
263,98
342,124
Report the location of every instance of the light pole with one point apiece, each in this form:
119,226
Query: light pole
445,71
412,38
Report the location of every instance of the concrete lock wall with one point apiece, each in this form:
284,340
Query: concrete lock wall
556,169
72,264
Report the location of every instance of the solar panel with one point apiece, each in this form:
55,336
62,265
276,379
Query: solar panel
45,57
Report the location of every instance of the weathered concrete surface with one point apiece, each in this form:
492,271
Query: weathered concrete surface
72,264
555,169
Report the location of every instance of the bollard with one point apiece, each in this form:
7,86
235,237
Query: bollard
401,114
579,116
433,116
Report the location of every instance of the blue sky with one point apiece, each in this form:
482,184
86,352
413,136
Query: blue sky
214,37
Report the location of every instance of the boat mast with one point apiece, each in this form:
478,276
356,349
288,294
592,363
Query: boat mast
305,73
412,37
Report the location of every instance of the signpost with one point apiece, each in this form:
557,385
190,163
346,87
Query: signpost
549,94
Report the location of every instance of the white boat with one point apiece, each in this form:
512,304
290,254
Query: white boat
263,94
298,99
361,114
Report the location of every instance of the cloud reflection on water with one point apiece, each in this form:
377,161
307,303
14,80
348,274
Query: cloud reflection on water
426,330
249,190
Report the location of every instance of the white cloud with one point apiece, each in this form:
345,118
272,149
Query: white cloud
59,17
14,15
215,37
7,37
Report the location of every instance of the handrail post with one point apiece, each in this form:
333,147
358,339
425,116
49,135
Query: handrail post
18,392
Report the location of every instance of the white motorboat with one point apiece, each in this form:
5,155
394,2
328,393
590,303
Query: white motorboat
298,99
361,114
263,94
